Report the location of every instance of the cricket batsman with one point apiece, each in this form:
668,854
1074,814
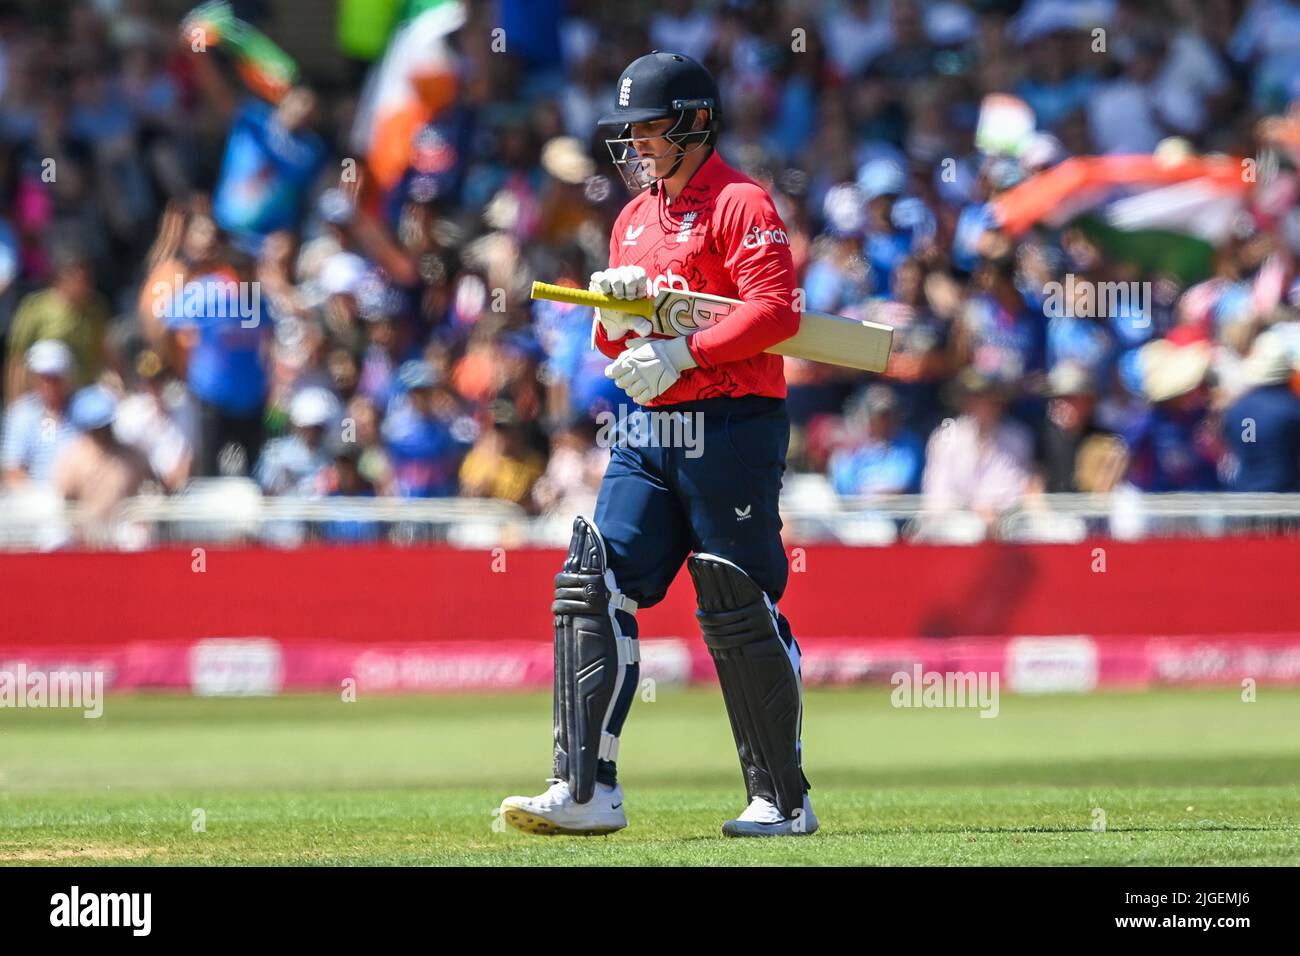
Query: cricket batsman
696,224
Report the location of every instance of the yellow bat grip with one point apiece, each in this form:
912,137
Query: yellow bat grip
565,293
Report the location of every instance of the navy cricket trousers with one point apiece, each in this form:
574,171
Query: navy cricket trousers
718,493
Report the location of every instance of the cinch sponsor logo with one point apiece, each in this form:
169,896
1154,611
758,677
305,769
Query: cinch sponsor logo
764,237
668,280
102,909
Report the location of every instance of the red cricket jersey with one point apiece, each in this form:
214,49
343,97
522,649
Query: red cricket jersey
723,236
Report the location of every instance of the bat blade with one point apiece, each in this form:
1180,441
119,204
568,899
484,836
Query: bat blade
831,339
836,340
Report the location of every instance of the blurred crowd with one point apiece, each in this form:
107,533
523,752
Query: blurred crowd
196,281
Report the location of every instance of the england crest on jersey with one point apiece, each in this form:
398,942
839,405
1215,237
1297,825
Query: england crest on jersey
684,230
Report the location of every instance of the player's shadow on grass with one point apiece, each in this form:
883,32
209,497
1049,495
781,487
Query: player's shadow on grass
1259,770
1082,828
1254,770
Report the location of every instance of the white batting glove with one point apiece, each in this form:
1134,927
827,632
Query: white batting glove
649,367
622,282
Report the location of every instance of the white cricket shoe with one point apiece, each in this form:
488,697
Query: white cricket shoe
556,813
762,818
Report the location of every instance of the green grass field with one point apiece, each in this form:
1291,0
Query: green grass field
1183,777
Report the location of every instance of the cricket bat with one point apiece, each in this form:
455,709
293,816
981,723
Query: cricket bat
832,339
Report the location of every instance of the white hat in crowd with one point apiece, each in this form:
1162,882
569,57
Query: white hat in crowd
1269,361
1170,370
342,273
312,407
50,357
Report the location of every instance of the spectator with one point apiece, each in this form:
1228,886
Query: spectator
500,465
343,479
1267,37
94,469
878,458
910,56
160,420
1071,425
1078,335
920,360
1123,114
676,26
36,426
1262,428
362,425
341,276
855,35
102,120
188,244
272,156
980,461
837,275
1053,87
1175,446
422,444
387,350
975,231
574,371
573,471
344,373
70,311
293,464
896,227
222,325
1000,333
838,280
565,211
